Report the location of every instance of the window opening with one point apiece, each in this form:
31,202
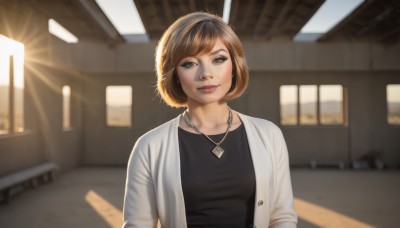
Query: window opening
331,104
288,100
312,105
393,104
59,31
119,105
66,92
11,86
308,104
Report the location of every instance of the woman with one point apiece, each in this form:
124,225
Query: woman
210,166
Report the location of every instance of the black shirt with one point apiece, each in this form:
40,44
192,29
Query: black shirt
217,192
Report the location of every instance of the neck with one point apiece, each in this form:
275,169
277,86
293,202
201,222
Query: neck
209,119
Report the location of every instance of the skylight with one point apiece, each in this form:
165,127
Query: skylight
227,10
58,30
123,15
328,15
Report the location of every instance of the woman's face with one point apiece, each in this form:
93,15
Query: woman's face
207,77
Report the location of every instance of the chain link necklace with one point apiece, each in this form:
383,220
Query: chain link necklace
217,151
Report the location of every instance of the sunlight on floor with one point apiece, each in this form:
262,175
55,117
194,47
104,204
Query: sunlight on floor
324,217
312,213
110,214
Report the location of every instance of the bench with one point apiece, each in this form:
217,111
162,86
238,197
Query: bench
28,177
327,164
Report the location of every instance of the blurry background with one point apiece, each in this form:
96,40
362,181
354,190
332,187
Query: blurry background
77,83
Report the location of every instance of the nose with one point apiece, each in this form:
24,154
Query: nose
205,73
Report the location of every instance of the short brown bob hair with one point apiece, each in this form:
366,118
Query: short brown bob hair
190,35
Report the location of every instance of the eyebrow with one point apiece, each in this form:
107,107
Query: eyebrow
218,50
211,53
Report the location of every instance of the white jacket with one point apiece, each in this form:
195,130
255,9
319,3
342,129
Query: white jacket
153,185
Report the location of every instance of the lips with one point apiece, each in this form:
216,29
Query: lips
208,88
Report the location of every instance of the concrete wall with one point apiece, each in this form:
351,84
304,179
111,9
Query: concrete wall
61,146
43,139
112,145
366,129
363,69
261,56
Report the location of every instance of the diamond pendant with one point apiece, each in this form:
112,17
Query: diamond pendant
218,151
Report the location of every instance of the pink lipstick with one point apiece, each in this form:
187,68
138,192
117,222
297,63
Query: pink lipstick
208,88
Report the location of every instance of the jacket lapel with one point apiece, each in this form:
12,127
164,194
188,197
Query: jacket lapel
263,170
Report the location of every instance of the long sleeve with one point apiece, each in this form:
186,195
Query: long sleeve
153,194
282,211
140,209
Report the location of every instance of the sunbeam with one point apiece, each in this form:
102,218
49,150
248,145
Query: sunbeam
111,214
324,217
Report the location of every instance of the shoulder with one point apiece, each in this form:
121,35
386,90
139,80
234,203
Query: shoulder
268,132
148,146
260,124
158,134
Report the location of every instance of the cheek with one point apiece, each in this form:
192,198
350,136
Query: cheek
184,79
227,72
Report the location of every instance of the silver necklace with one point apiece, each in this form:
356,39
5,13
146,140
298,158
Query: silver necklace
217,151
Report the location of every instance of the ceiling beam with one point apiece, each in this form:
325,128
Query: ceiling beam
234,12
192,5
246,15
264,17
346,21
284,12
140,6
168,12
301,15
91,8
373,22
390,36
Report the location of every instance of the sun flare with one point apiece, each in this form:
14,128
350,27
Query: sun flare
9,47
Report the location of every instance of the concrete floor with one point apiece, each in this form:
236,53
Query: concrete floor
92,197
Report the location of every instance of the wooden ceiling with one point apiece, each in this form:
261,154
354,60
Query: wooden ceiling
251,19
157,15
83,18
273,19
376,20
373,20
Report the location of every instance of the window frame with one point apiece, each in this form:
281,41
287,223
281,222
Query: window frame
14,51
318,107
71,125
130,108
387,106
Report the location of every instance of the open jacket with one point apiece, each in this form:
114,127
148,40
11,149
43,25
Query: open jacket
154,191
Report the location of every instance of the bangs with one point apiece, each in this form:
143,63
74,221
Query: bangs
200,38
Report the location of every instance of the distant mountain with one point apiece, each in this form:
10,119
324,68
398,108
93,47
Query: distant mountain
118,115
331,107
394,107
328,108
